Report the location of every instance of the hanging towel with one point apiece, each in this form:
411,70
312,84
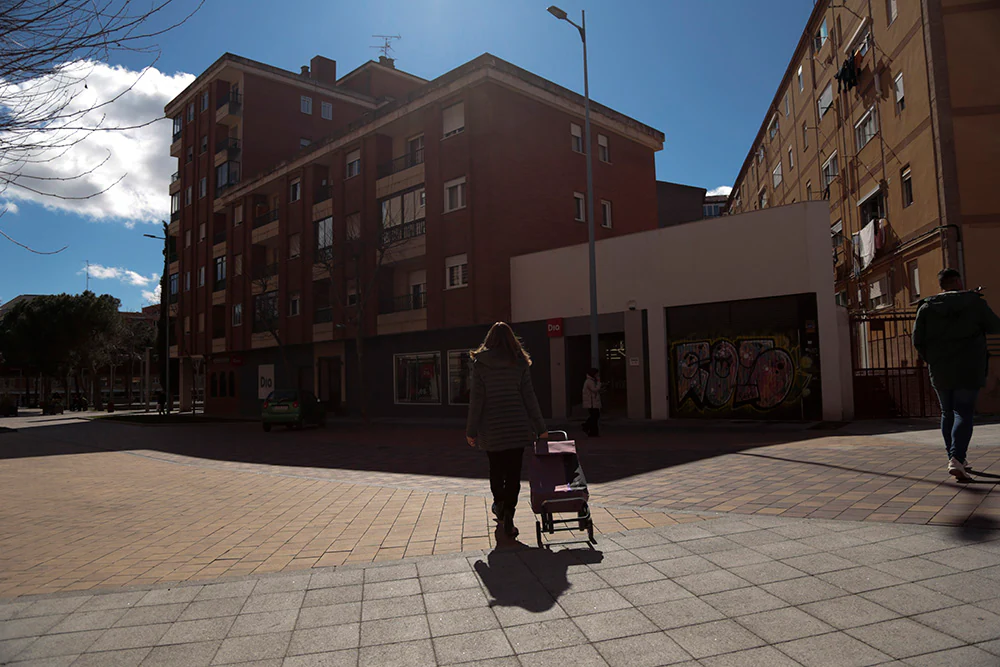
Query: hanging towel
866,245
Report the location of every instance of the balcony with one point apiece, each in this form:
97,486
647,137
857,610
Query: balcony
176,215
265,218
322,203
323,193
265,272
402,313
219,237
226,149
227,175
173,298
403,303
401,163
402,173
405,241
176,145
175,182
219,285
229,108
407,230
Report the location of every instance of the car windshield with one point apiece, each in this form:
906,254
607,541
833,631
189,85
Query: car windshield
283,395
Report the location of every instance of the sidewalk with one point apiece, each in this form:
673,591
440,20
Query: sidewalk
750,590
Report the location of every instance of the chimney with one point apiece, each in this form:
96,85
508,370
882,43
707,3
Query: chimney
305,70
324,70
388,62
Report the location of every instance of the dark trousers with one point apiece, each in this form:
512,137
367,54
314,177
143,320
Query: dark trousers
593,424
505,476
958,407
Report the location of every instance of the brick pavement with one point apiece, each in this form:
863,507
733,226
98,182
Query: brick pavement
740,590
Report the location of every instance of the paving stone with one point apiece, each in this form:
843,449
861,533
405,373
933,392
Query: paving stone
818,563
782,625
744,601
685,533
265,622
135,637
711,545
169,596
631,574
832,542
374,610
577,656
765,656
462,621
544,636
903,638
685,565
729,526
330,638
576,582
259,647
9,648
88,620
198,654
679,613
711,582
56,661
652,592
910,599
407,654
803,590
861,579
393,630
286,583
968,623
593,602
914,568
965,558
471,646
800,529
29,627
337,614
161,613
848,612
435,566
52,606
132,657
218,608
186,632
649,650
835,649
991,646
737,557
68,643
349,658
112,601
11,609
334,578
966,656
616,559
765,573
519,614
324,597
395,589
965,586
709,639
870,554
274,602
391,573
235,589
614,624
467,598
506,661
781,549
759,539
660,552
918,545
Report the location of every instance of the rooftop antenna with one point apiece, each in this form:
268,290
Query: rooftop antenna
386,45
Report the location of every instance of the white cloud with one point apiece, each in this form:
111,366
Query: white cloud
721,190
152,296
140,155
10,207
126,276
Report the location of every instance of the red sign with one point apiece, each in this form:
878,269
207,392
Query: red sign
555,327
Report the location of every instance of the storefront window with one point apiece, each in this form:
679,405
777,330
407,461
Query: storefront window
459,377
418,378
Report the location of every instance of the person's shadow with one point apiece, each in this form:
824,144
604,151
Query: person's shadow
517,575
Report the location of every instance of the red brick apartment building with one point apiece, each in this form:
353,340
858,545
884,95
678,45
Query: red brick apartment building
306,206
888,110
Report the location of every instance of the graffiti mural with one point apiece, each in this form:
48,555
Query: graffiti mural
759,373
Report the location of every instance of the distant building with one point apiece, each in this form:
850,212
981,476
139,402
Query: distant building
714,206
677,204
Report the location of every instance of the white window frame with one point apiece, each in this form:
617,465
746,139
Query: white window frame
913,277
187,281
772,127
188,195
576,138
238,264
461,196
353,164
821,37
237,215
776,175
791,159
417,357
306,104
187,238
294,305
459,355
802,84
762,198
865,129
201,276
237,314
788,108
906,176
891,11
580,203
203,187
453,120
202,232
294,245
837,233
828,179
352,293
884,296
819,100
899,92
204,101
295,191
456,261
603,151
326,110
805,134
190,115
606,219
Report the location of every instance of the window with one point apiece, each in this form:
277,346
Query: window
788,108
605,214
821,36
791,159
825,100
830,170
840,298
202,232
304,142
576,138
772,129
900,98
891,11
456,271
453,120
837,233
294,245
581,207
204,143
204,100
805,135
603,154
188,195
265,312
809,190
294,303
459,377
187,281
296,191
454,195
352,293
190,153
238,265
201,276
202,187
392,212
187,324
776,175
760,155
878,293
802,85
187,238
326,110
174,280
238,215
191,112
762,198
353,163
220,271
418,289
907,183
872,207
414,205
417,377
178,126
353,223
306,104
201,322
324,238
913,274
866,129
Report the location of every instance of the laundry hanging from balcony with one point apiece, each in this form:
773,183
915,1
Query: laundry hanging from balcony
866,244
847,75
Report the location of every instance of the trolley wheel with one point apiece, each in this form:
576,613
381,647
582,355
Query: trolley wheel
538,533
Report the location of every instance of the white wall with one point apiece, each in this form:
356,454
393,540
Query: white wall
774,252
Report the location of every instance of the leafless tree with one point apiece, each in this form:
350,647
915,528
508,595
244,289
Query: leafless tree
47,50
267,315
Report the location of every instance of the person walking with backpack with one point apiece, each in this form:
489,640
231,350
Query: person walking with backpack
950,336
504,416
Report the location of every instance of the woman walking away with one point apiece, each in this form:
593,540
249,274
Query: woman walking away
592,403
504,416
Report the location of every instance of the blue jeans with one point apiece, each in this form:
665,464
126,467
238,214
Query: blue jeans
957,409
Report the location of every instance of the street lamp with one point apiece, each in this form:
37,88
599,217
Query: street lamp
582,28
165,304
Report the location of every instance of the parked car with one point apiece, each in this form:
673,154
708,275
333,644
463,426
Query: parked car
292,407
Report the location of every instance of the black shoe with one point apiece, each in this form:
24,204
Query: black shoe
508,524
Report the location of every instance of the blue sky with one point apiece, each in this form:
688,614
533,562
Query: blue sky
703,72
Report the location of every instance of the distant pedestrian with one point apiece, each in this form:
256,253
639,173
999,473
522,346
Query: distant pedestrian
950,336
161,403
592,403
504,416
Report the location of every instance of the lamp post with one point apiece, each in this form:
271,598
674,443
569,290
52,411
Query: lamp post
582,28
165,304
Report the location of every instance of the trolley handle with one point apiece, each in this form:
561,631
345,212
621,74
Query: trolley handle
565,436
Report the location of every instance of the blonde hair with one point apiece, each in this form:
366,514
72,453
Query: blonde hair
502,337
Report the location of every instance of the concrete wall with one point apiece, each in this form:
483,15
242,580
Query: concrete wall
779,251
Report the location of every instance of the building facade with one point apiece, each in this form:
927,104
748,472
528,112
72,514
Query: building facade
390,232
882,111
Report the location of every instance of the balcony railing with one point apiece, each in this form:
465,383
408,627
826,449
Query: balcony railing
265,272
219,285
229,144
219,237
176,215
323,315
323,193
403,303
400,163
176,176
407,230
173,298
232,98
266,218
177,136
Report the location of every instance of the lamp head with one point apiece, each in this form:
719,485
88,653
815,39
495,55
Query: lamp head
558,13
